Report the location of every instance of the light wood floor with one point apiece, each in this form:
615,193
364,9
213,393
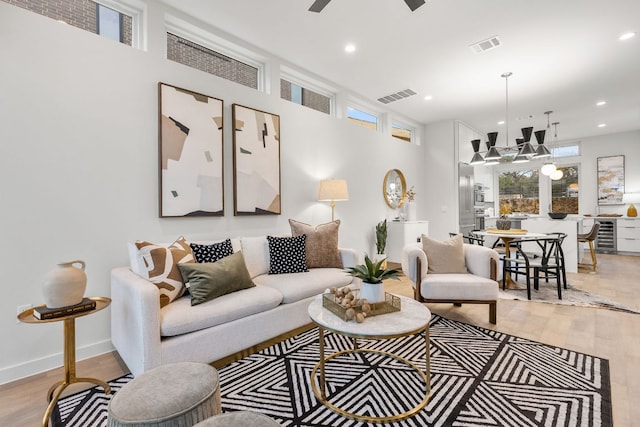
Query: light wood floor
605,333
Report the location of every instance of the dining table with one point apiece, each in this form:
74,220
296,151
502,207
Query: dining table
508,236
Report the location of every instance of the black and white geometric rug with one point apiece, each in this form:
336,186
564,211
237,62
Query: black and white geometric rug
479,377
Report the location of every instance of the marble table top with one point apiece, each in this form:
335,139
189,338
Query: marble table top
412,317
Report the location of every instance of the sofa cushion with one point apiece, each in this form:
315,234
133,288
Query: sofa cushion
256,254
180,317
161,266
212,252
321,243
297,286
459,286
287,254
210,280
446,256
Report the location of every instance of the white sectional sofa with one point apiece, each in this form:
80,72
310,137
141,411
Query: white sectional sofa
146,335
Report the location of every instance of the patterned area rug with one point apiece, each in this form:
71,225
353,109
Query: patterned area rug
479,377
548,293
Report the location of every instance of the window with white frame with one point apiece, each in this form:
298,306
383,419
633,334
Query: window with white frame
88,15
298,94
519,191
403,132
362,118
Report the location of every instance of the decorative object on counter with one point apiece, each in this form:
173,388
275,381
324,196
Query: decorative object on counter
411,205
557,215
503,223
333,190
631,198
610,180
381,242
372,274
65,285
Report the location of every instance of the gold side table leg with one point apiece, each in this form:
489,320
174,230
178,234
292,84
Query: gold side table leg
323,392
55,391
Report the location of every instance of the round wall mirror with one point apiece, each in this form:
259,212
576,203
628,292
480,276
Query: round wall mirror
394,188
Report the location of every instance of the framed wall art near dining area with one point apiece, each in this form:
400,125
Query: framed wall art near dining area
610,180
190,153
256,162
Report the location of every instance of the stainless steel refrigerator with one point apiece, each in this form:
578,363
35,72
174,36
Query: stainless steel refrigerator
466,199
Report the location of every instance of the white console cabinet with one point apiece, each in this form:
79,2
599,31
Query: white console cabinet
401,233
628,235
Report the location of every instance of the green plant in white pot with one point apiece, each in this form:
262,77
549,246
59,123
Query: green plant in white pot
372,273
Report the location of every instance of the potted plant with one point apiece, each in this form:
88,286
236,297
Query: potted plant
504,223
381,242
372,273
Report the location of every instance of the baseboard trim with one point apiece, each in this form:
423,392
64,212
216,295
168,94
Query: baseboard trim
52,361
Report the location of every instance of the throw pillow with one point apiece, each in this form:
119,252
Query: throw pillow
444,257
212,252
211,280
321,243
161,264
287,254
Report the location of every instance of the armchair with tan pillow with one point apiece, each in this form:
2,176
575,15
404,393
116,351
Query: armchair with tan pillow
452,272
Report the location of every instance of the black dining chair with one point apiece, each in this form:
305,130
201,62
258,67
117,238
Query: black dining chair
549,265
470,238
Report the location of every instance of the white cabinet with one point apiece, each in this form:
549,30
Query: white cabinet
401,233
628,235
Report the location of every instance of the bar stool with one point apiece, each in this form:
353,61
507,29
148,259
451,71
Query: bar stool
590,237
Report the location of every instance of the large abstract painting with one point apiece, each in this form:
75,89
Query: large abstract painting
610,180
256,162
191,163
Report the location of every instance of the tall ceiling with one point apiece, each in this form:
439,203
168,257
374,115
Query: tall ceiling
565,56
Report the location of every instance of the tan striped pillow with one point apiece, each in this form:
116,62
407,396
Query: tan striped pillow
161,263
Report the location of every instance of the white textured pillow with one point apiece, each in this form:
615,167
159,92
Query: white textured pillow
444,257
256,255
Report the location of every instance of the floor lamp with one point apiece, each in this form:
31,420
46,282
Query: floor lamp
333,190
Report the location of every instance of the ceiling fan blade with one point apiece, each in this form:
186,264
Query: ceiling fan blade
318,5
413,4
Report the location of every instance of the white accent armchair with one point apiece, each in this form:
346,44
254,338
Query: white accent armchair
479,286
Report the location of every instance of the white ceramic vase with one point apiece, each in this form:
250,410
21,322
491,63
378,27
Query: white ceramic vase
372,292
65,285
411,211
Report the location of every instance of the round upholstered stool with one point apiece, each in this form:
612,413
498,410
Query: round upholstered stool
177,394
236,419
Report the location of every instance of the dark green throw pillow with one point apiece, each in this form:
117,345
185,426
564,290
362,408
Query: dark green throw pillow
211,280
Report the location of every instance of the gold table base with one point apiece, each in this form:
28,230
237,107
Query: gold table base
320,392
55,391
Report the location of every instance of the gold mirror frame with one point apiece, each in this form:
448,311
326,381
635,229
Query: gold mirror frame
394,197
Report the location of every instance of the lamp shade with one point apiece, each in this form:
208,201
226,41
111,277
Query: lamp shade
477,159
631,198
547,169
332,190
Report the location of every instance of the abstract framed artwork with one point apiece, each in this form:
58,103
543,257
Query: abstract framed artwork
610,180
256,162
190,153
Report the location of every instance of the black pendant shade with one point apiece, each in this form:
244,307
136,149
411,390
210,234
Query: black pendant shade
540,135
519,142
493,137
475,143
526,133
541,151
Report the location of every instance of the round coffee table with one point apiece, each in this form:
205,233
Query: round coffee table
413,318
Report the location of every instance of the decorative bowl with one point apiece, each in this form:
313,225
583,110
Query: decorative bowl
558,215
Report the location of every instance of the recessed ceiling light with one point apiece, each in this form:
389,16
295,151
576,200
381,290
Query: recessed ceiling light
602,125
428,97
627,36
350,48
501,122
601,103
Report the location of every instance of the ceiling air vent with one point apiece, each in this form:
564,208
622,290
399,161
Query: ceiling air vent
484,45
396,96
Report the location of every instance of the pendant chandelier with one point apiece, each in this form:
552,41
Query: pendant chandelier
523,149
549,168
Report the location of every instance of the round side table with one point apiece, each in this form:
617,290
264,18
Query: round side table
55,391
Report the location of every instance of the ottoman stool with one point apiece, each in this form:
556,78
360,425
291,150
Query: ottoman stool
237,419
176,394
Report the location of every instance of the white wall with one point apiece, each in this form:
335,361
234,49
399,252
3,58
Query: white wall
79,169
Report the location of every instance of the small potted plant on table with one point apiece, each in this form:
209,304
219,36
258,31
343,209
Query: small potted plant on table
372,274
